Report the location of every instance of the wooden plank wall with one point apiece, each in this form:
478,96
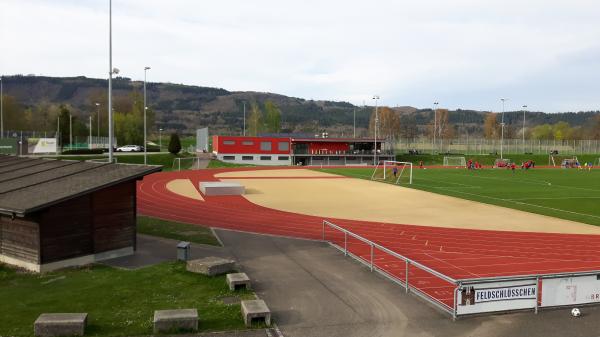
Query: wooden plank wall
19,238
66,230
114,217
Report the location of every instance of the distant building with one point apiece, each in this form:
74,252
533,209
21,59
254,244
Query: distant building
59,213
298,151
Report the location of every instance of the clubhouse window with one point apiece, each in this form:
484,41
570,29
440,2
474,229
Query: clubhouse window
283,146
265,157
228,157
283,158
265,146
247,142
247,157
229,142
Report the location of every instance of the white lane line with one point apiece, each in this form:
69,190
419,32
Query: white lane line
279,334
555,198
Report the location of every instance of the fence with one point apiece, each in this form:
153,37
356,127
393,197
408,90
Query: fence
485,146
468,296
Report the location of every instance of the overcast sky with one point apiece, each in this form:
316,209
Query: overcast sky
463,53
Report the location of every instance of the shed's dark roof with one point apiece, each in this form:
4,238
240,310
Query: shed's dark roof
29,185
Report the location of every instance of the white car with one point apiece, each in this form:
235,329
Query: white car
129,148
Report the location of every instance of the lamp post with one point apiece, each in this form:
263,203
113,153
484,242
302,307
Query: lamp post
1,109
244,133
70,132
145,108
160,139
354,127
90,142
502,129
111,71
98,117
376,98
435,104
524,107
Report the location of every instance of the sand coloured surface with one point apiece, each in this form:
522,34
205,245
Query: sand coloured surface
357,199
285,173
184,187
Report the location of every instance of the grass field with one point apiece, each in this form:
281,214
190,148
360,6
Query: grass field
540,159
563,193
175,230
119,302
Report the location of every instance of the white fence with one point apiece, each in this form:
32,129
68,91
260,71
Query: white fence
486,146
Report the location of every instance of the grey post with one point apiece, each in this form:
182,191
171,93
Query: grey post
345,243
434,126
537,292
110,73
372,255
502,129
406,275
90,142
244,119
376,98
145,108
524,107
70,132
98,118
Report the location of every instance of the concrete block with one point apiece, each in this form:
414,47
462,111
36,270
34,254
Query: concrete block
210,266
60,324
237,280
175,320
253,309
211,188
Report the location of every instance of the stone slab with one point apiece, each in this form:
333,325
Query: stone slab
211,188
60,324
210,266
175,320
255,309
238,279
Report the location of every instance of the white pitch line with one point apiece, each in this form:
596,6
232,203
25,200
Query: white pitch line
555,198
527,204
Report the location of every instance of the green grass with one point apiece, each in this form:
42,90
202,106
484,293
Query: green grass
563,193
119,302
176,230
163,159
217,164
429,159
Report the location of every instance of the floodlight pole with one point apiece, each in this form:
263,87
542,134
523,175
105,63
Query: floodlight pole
98,117
90,142
435,104
110,72
145,108
70,132
1,109
376,98
244,133
502,129
160,139
354,128
524,107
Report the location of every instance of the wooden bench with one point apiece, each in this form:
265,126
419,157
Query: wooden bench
254,309
175,320
60,324
238,280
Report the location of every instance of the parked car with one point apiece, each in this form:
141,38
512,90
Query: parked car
129,148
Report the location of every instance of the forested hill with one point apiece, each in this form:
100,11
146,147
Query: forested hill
32,101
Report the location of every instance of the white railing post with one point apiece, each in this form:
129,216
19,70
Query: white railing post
372,254
537,293
323,230
406,275
345,243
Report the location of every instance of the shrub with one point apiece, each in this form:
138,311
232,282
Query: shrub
174,144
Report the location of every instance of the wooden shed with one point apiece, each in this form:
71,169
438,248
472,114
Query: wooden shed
60,213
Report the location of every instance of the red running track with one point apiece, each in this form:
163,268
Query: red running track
457,253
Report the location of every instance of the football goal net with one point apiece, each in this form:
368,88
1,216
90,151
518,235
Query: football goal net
395,172
562,161
455,161
189,163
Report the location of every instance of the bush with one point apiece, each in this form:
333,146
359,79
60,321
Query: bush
174,144
84,151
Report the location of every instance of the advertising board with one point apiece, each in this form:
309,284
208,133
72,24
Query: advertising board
496,296
570,290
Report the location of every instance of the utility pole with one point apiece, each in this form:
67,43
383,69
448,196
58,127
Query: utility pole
502,129
524,107
111,71
1,109
435,104
376,98
145,108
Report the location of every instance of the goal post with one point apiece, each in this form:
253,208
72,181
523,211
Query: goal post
455,161
394,172
187,163
561,161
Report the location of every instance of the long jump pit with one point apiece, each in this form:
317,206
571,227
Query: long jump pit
465,257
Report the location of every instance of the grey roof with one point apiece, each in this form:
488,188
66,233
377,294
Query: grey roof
29,185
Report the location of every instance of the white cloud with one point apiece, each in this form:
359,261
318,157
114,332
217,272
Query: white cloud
463,53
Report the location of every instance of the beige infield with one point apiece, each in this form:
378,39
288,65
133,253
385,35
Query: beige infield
184,187
358,199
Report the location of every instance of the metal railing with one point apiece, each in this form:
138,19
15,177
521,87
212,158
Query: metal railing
457,285
408,263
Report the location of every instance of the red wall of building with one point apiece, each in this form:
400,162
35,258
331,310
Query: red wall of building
249,145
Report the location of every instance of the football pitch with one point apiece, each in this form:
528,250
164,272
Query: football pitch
563,193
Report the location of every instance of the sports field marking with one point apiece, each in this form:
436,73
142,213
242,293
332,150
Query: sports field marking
527,204
184,187
552,198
